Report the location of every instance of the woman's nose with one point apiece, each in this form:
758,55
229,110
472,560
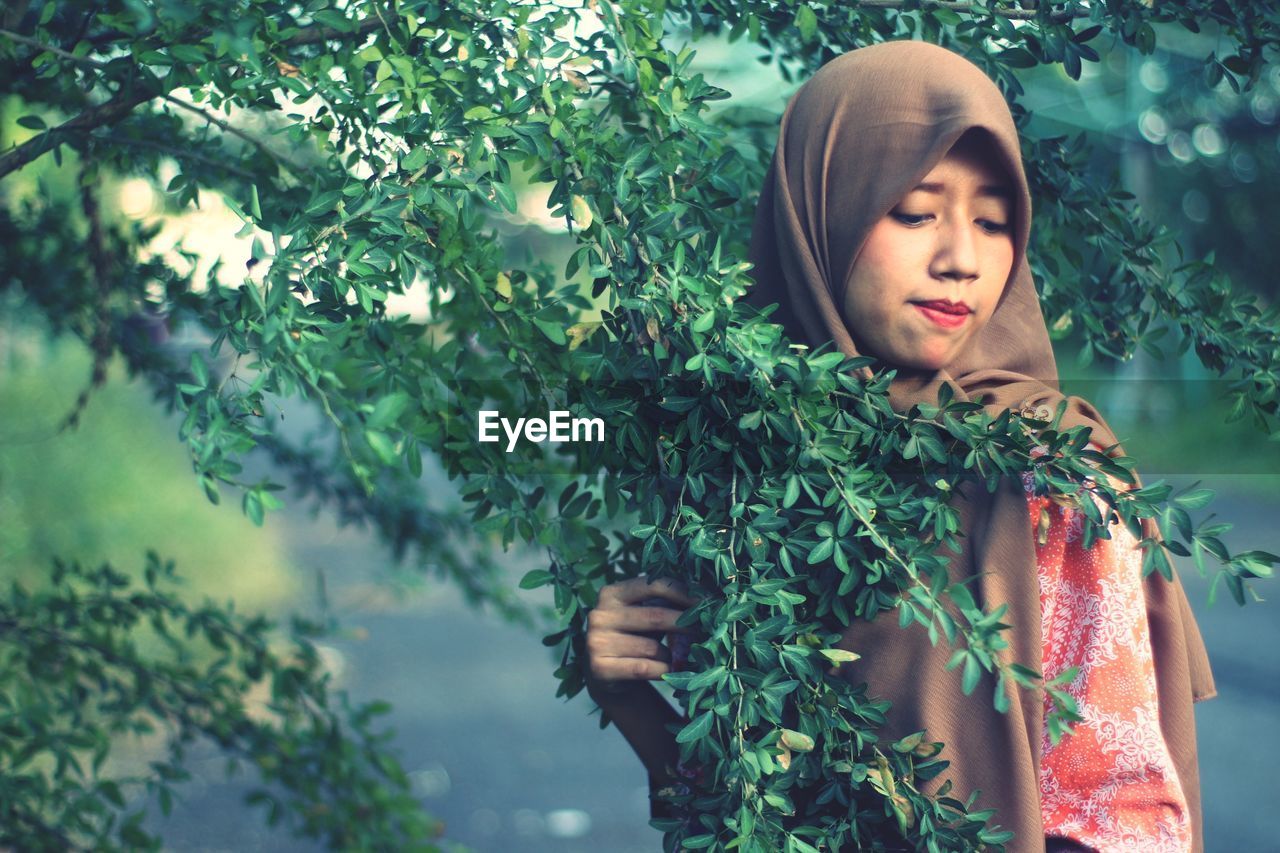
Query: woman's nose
956,254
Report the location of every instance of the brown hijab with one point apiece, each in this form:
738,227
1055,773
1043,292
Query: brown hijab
867,127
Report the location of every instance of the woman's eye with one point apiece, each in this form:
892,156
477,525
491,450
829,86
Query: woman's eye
993,227
910,219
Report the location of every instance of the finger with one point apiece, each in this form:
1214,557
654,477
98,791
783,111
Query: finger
614,644
628,669
674,585
622,592
636,619
674,589
636,589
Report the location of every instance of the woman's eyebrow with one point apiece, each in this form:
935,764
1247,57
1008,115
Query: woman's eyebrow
994,190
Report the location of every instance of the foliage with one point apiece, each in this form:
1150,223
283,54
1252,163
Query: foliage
377,149
74,678
118,479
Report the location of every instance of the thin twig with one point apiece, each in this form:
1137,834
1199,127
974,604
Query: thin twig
18,38
342,432
234,131
101,343
738,727
533,368
385,26
184,155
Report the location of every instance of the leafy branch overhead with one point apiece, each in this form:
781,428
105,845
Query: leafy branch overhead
375,153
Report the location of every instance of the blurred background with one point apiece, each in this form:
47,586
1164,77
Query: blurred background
491,750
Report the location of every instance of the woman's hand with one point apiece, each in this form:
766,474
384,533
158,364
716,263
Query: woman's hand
624,632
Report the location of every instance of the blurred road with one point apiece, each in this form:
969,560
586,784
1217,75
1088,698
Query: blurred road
510,767
1236,730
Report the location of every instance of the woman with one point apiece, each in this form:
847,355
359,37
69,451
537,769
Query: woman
894,222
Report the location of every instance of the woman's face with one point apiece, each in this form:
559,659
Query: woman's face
931,271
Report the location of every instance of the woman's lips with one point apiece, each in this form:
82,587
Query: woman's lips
948,315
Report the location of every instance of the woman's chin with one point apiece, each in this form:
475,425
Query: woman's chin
928,362
914,359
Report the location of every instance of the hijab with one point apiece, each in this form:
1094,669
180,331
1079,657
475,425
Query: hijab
853,140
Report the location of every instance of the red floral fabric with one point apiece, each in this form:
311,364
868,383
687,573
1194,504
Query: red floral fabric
1111,784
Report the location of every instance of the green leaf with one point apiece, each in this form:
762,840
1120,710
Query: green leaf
111,791
187,53
840,655
199,370
335,19
712,676
252,505
211,490
908,743
415,159
800,845
1237,63
821,551
536,578
1195,499
972,673
806,23
792,494
697,729
1001,697
1145,40
383,446
554,333
388,410
506,197
32,122
577,506
963,598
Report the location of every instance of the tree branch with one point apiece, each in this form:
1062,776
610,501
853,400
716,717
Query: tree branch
308,35
101,343
313,35
972,9
123,103
108,112
18,38
179,154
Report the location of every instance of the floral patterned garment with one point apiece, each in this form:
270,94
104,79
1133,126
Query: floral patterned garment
1111,784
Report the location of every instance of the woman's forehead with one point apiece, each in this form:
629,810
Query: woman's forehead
983,174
